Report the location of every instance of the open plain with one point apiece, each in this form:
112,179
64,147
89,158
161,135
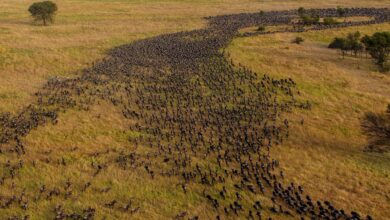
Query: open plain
166,109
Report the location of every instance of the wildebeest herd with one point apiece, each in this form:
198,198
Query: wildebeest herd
202,120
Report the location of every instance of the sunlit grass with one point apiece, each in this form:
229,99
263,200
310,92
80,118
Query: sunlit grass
325,154
326,149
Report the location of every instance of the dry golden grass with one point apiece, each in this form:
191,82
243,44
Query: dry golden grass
85,29
326,149
325,154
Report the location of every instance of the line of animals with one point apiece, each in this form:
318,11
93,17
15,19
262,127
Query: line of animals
203,120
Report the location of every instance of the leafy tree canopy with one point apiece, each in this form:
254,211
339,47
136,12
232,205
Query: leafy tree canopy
378,45
43,11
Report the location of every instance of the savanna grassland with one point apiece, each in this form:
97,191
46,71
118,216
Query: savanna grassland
324,153
327,151
85,30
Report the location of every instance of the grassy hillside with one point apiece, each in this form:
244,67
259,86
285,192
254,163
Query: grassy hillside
328,147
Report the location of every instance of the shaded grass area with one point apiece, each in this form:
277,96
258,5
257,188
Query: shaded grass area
325,154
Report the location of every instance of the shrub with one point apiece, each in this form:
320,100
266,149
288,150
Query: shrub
301,11
262,13
341,12
43,11
338,43
307,18
330,21
310,19
261,28
377,128
298,40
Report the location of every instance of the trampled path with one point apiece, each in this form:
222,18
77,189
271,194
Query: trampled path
204,121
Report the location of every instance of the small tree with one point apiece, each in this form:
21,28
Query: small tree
350,43
378,46
353,42
43,11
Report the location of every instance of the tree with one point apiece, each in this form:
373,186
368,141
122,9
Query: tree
353,42
43,11
350,43
378,46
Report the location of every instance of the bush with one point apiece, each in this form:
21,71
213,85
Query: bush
298,40
43,11
261,28
341,12
330,21
377,128
307,18
301,11
338,43
310,20
262,13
